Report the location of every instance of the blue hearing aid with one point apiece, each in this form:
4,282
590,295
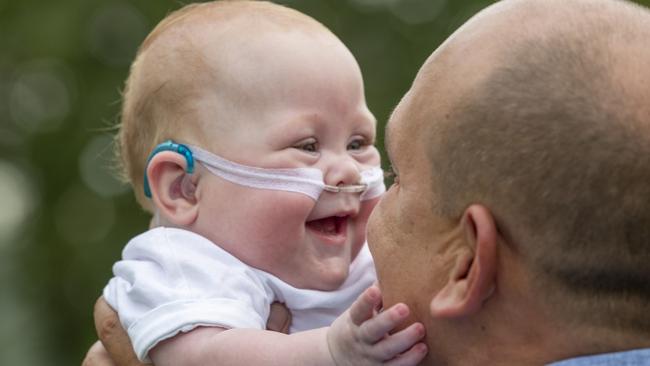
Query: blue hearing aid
168,145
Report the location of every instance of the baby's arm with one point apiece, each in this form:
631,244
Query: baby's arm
217,346
356,338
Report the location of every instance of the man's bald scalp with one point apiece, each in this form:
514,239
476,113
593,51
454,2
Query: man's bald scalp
555,140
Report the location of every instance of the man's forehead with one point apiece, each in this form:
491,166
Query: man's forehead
389,130
397,117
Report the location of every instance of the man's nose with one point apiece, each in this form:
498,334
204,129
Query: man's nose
342,170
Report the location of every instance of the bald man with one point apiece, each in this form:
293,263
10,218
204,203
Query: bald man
518,229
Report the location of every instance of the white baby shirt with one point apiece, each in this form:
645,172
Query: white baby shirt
172,280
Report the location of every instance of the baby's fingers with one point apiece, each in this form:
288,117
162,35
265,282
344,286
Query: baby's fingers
411,357
373,330
363,308
403,344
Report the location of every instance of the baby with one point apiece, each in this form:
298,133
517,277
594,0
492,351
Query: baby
245,132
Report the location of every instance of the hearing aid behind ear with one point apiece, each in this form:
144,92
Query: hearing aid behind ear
168,145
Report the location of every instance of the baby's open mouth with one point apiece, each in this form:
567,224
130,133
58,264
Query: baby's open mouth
332,225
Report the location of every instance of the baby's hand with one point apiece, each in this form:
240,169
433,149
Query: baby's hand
360,336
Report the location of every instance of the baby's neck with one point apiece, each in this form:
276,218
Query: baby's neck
157,220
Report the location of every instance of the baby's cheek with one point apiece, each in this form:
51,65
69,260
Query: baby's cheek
362,222
263,214
270,228
366,209
282,211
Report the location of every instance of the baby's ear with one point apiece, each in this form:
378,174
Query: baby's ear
172,189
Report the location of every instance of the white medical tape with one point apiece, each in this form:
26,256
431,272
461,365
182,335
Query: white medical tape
308,181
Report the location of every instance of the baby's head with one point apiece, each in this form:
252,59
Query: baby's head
263,86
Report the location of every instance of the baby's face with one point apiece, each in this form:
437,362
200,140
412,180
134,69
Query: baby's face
299,103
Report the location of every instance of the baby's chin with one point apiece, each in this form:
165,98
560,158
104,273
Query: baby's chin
329,279
334,282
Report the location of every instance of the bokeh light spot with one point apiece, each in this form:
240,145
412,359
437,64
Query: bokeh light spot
97,168
82,217
40,98
417,11
115,32
372,4
18,317
18,201
10,134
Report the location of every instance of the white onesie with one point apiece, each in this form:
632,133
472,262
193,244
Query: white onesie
173,280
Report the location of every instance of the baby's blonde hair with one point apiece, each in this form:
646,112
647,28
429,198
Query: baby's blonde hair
156,100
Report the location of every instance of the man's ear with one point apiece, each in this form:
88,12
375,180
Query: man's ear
172,188
472,279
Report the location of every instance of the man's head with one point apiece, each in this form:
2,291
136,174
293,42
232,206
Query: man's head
522,209
266,87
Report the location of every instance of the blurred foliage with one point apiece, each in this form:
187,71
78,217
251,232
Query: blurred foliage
64,219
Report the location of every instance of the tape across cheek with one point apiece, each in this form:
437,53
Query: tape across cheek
308,181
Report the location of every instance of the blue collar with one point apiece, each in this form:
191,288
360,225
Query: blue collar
637,357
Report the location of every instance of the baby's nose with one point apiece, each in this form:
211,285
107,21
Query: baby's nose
342,172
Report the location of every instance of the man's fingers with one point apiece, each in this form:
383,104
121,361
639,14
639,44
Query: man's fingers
106,320
113,336
97,356
363,308
279,318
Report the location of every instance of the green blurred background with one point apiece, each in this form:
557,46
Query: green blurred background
64,218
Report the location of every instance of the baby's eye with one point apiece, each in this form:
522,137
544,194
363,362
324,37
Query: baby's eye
310,145
357,144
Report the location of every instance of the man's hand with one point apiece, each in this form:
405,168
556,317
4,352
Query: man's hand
361,335
115,347
97,355
279,318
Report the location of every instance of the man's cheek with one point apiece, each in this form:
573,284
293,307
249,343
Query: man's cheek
373,228
389,284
